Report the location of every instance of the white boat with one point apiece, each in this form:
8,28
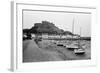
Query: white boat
77,48
71,47
79,51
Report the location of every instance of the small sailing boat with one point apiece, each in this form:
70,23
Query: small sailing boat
72,46
79,50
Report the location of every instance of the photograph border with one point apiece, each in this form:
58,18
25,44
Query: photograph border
15,65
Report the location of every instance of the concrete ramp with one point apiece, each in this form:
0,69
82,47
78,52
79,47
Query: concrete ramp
32,53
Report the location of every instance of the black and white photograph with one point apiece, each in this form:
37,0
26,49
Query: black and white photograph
50,36
56,36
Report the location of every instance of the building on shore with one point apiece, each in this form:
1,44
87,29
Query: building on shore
54,36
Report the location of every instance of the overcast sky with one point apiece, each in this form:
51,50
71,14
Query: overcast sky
61,20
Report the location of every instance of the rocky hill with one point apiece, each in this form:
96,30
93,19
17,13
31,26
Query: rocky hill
47,27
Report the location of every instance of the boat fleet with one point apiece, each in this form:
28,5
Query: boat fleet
75,47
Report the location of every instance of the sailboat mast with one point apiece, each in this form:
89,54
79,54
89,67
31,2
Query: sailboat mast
80,31
79,38
73,26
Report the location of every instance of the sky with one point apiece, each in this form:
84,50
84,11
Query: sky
61,20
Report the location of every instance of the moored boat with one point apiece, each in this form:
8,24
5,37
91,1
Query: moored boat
79,51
